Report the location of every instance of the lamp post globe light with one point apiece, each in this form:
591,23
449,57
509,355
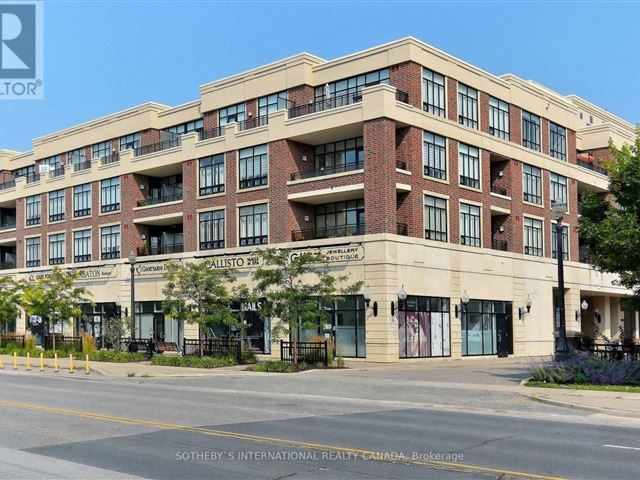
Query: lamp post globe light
132,266
558,211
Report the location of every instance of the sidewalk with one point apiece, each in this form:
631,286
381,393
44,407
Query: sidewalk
612,403
112,369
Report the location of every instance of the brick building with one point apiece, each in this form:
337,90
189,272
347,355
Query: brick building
413,170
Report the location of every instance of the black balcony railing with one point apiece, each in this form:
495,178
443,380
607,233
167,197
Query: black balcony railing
57,172
253,122
211,133
7,265
172,197
158,147
80,166
323,104
7,226
499,190
113,158
33,177
348,167
7,184
402,229
592,166
401,165
160,249
327,232
500,245
402,96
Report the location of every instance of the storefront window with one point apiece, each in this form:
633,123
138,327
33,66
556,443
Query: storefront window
424,327
482,320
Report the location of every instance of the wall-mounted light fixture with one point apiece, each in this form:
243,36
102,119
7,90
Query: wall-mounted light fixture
366,293
402,296
521,311
583,306
464,299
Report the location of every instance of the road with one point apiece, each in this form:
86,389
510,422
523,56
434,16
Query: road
401,422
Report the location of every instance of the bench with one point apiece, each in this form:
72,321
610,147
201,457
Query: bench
162,347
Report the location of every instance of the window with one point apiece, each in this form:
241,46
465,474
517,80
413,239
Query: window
434,156
234,113
194,126
532,237
530,130
254,225
469,165
532,184
272,103
53,162
340,156
32,251
558,188
565,242
212,174
130,142
24,171
82,246
76,156
467,106
558,140
102,149
470,225
110,194
433,92
423,327
499,118
254,166
435,218
340,219
110,242
56,205
478,329
56,249
353,86
212,230
33,210
82,200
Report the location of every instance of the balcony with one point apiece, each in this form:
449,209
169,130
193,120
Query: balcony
402,229
593,167
8,184
160,249
253,122
401,165
113,158
402,96
33,177
158,147
80,166
7,226
211,133
327,232
500,245
499,190
325,104
57,172
7,265
173,197
321,172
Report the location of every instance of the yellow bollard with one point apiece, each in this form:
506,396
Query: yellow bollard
41,362
15,361
55,362
28,362
1,364
87,368
71,364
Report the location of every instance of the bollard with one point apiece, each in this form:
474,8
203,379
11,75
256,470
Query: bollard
15,361
28,362
41,362
1,364
87,368
71,364
55,362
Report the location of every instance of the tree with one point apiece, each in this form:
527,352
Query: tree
295,284
56,297
9,301
197,293
610,225
114,328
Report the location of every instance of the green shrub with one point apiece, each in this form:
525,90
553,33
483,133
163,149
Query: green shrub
88,343
115,357
193,361
278,366
248,357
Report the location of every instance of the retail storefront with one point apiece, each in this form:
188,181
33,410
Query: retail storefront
151,322
424,328
487,328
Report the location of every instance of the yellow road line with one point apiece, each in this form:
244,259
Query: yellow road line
367,454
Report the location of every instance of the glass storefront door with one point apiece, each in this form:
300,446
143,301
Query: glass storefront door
424,327
484,323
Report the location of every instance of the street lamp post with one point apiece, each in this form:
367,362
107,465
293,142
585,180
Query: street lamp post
558,211
132,266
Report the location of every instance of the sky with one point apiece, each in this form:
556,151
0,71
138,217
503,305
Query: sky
102,57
